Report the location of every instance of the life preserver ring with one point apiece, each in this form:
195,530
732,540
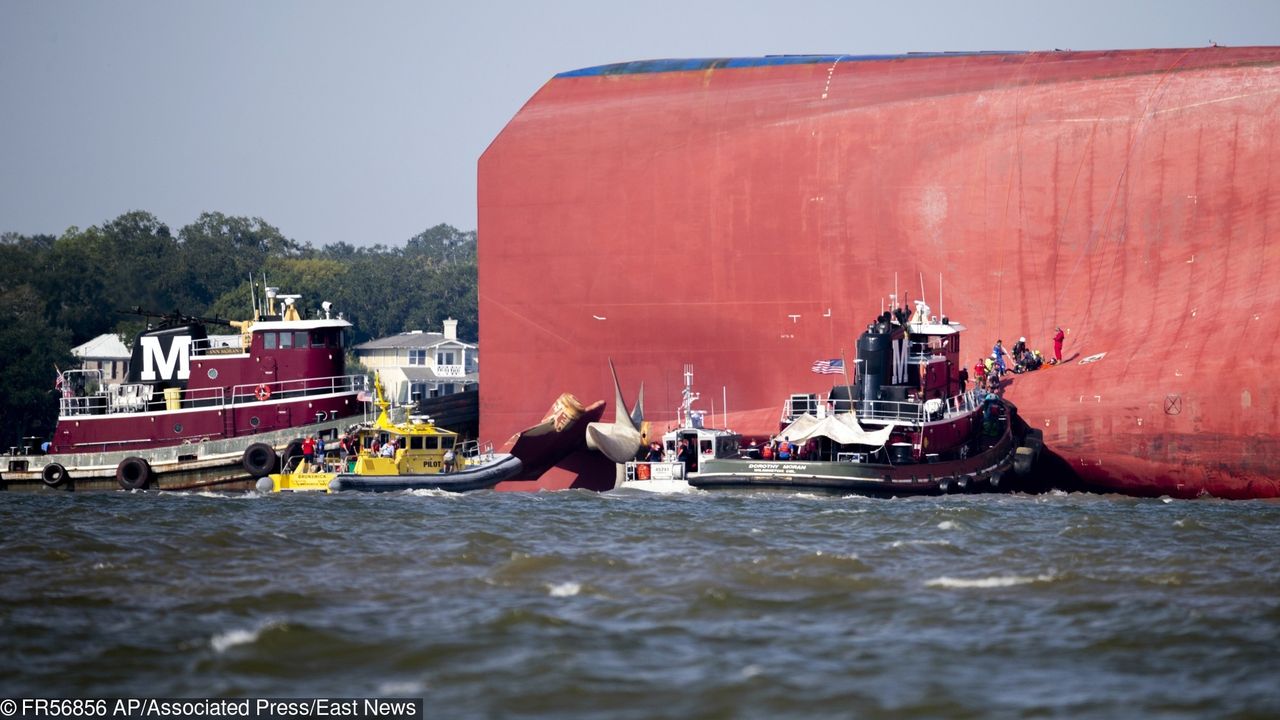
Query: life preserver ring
133,473
259,460
262,392
54,475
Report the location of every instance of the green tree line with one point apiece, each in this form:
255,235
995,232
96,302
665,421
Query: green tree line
59,292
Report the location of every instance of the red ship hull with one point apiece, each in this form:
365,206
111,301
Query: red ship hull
747,216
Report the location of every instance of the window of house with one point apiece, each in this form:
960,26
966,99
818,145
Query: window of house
417,391
445,357
418,356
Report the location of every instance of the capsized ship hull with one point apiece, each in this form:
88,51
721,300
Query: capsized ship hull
745,216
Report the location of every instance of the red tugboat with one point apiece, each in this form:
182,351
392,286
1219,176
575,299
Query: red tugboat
904,425
199,411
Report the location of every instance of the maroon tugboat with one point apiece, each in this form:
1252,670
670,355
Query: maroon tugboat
199,411
903,424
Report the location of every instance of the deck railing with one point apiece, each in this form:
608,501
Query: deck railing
896,411
84,398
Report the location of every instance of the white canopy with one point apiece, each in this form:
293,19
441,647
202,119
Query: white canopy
842,428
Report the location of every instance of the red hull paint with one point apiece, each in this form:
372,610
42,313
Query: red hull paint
749,220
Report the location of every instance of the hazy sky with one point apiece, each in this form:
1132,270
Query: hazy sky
363,121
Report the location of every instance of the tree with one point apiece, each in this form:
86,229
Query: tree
92,275
30,349
219,253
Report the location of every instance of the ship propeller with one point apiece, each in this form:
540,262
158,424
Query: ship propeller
619,440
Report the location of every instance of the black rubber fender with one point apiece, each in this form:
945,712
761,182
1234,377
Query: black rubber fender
259,460
1034,440
54,475
133,473
291,452
1023,460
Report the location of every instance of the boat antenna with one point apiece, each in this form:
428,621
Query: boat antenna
724,406
940,313
922,288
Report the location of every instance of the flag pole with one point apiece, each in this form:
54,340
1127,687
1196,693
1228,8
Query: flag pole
844,370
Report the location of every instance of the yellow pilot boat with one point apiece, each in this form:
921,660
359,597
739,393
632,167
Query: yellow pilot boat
388,456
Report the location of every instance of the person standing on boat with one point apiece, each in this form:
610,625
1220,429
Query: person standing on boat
655,453
784,450
1058,337
449,457
308,451
998,354
964,378
685,455
980,373
766,451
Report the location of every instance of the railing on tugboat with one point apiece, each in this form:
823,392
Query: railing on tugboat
909,411
86,395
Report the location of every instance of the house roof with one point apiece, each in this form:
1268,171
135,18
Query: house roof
107,345
413,339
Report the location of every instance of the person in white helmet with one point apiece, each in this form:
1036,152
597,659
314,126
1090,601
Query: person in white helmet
1019,349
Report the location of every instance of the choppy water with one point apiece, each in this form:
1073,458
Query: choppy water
630,605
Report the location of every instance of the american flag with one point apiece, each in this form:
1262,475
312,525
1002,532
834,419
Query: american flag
828,367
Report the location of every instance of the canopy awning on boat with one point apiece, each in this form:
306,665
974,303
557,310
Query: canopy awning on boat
842,428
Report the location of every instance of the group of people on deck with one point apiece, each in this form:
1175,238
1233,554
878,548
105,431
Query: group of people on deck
988,371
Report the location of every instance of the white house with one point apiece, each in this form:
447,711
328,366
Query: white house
107,354
416,364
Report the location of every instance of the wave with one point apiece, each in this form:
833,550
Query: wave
432,492
904,543
564,589
987,582
231,638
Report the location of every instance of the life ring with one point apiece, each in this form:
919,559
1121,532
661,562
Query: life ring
54,475
259,460
262,392
133,473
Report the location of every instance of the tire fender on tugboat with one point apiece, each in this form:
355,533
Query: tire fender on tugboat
259,460
1025,457
291,451
133,473
54,475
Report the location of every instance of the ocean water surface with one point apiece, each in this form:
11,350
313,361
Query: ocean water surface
635,605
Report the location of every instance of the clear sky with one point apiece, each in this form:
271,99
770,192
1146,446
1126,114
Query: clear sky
363,121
